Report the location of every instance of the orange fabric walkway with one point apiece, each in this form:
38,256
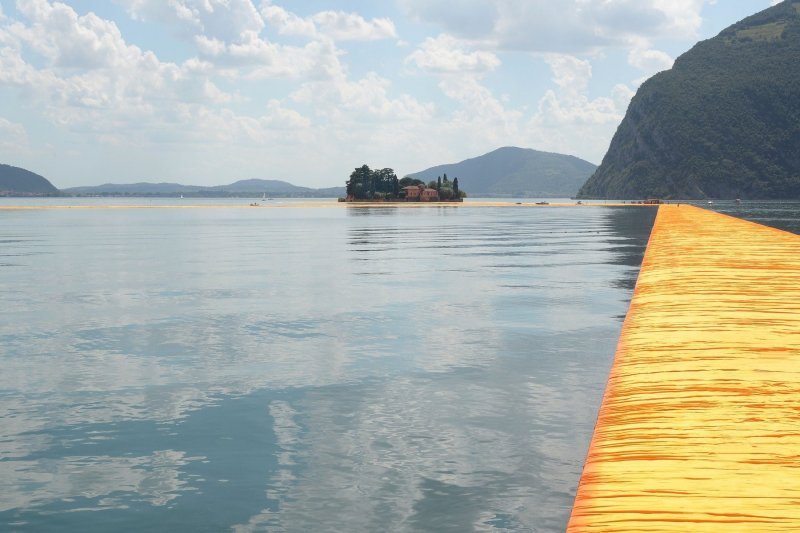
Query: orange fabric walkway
699,429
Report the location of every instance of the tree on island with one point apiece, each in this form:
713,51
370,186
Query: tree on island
408,181
448,190
368,184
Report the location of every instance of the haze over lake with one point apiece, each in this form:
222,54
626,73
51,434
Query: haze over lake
305,369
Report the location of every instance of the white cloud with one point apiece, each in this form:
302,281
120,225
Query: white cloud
444,54
480,105
228,20
341,26
563,117
650,61
13,137
471,19
569,26
280,117
225,20
682,16
366,100
86,78
287,23
214,127
255,58
571,74
336,25
68,41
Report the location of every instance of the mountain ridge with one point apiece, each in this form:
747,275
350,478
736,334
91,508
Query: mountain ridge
238,188
513,171
16,181
724,122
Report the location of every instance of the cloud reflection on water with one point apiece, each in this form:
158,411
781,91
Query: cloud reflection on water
432,362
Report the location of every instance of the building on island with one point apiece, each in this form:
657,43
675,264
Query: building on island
368,185
420,193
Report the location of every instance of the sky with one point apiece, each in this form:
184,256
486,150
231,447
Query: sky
207,92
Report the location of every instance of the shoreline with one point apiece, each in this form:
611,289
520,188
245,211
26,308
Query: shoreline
328,205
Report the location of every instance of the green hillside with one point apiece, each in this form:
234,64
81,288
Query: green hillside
519,172
15,181
724,122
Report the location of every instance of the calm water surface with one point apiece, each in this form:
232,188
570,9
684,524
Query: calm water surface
783,215
321,369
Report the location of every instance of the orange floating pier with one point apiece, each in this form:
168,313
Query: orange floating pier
699,429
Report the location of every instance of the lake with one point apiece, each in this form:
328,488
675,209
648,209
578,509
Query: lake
305,369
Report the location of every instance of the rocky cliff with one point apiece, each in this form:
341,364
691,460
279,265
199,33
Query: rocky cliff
724,122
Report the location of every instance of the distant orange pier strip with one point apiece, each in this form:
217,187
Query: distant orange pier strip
320,204
699,429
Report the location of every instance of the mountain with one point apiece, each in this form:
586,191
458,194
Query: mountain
15,181
239,188
132,189
261,186
513,171
724,122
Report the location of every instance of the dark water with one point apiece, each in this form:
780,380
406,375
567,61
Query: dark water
784,215
318,369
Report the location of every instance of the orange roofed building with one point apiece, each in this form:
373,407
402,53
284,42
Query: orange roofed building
420,193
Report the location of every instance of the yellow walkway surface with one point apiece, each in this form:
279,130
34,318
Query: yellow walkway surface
699,429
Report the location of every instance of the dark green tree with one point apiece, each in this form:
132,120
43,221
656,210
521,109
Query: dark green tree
367,184
360,185
456,192
408,181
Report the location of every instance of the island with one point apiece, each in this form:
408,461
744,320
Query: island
382,185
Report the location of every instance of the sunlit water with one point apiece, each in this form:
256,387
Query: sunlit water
327,369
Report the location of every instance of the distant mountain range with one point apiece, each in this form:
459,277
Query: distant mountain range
504,172
519,172
15,181
724,122
249,187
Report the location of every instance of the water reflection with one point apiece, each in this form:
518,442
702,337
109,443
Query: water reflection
360,211
407,369
628,240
